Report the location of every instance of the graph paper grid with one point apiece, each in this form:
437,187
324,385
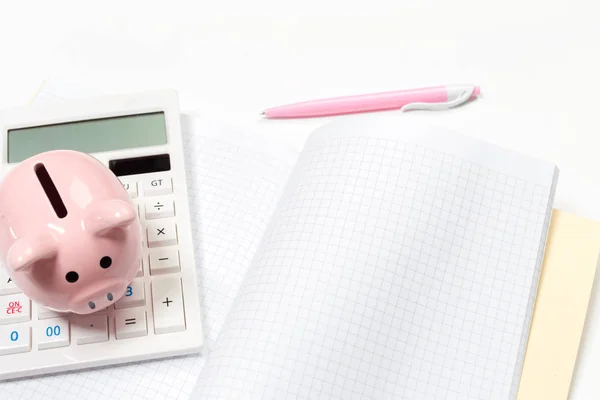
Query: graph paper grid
390,271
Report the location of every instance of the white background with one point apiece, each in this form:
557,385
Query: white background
537,62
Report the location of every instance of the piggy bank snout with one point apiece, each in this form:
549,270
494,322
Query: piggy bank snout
98,296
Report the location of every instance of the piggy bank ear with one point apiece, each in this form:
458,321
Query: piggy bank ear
27,251
108,215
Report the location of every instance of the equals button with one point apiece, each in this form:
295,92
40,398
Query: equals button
131,323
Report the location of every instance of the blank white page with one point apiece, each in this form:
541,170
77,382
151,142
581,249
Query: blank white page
402,263
235,179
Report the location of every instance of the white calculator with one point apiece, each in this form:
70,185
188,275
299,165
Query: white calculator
138,137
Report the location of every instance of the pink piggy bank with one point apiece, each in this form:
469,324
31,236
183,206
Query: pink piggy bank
70,237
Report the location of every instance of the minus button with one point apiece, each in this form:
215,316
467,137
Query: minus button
164,261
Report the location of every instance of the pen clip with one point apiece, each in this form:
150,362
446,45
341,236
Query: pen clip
460,99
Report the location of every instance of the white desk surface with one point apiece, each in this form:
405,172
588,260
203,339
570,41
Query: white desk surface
537,61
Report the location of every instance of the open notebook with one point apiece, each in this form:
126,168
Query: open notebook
389,260
402,261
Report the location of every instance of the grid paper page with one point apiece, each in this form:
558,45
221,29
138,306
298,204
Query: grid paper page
235,180
391,270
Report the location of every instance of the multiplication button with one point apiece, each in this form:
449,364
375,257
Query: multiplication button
163,233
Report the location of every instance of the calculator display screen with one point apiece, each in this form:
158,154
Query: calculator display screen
89,136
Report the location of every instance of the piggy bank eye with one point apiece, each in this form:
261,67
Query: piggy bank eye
72,277
105,262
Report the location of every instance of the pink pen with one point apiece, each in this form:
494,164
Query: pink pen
431,98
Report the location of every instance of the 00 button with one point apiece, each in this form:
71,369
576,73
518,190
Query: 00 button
53,333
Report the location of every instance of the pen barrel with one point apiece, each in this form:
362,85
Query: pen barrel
362,103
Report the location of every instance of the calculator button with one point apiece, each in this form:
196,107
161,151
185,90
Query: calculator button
53,333
164,261
15,339
131,188
131,323
45,313
14,308
163,233
90,329
160,209
143,262
167,303
134,296
155,187
7,286
140,272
